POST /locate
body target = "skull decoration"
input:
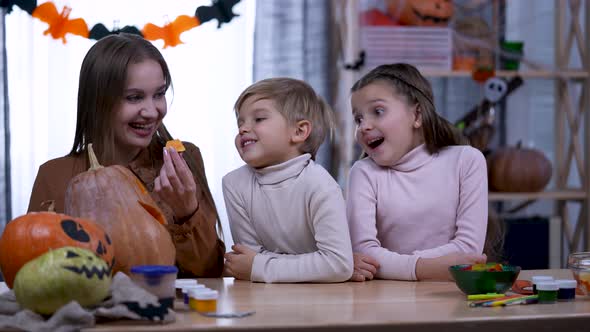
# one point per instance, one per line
(59, 276)
(35, 233)
(494, 89)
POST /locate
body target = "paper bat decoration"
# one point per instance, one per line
(358, 64)
(170, 33)
(26, 5)
(99, 31)
(60, 24)
(221, 10)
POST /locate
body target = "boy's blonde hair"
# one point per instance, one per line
(296, 101)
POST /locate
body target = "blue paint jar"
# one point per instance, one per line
(180, 284)
(567, 290)
(158, 280)
(186, 290)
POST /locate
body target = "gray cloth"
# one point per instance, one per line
(126, 301)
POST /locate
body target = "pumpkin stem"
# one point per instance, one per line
(94, 164)
(519, 144)
(51, 207)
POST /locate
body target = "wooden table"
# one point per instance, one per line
(378, 305)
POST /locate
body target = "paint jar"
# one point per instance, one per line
(547, 291)
(205, 301)
(567, 290)
(538, 279)
(192, 296)
(579, 264)
(187, 289)
(179, 284)
(158, 280)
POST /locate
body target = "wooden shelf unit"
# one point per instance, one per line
(540, 74)
(563, 195)
(571, 117)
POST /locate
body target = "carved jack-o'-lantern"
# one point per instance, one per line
(35, 233)
(60, 276)
(421, 12)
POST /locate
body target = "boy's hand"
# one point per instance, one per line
(238, 263)
(438, 268)
(365, 267)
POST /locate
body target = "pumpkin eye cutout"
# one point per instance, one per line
(101, 250)
(106, 237)
(71, 254)
(74, 230)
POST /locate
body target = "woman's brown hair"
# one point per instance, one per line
(101, 86)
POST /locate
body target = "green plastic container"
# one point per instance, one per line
(483, 282)
(515, 50)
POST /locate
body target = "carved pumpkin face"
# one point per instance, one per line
(421, 12)
(59, 276)
(35, 233)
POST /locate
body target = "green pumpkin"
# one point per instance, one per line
(59, 276)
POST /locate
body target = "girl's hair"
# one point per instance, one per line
(407, 82)
(296, 101)
(101, 87)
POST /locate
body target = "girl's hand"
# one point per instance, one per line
(438, 268)
(365, 267)
(238, 263)
(176, 185)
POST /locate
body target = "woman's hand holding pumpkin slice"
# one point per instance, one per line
(176, 185)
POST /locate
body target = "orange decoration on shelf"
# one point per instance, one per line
(176, 144)
(60, 24)
(481, 74)
(170, 33)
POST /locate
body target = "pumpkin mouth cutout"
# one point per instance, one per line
(89, 272)
(153, 212)
(435, 19)
(100, 273)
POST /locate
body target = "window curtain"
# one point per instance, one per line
(5, 207)
(292, 39)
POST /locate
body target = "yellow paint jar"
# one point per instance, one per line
(204, 300)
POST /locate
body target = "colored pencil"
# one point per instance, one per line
(497, 303)
(488, 296)
(481, 302)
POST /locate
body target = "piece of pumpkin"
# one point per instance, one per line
(115, 199)
(176, 144)
(33, 234)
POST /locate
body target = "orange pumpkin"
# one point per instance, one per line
(35, 233)
(518, 169)
(118, 201)
(421, 12)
